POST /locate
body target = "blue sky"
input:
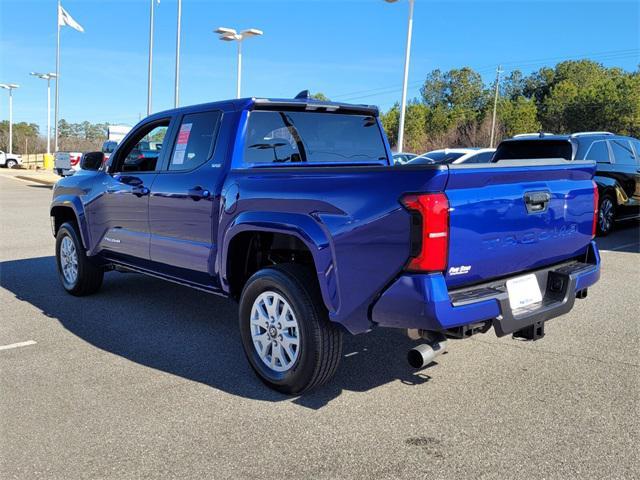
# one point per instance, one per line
(352, 50)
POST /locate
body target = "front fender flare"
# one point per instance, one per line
(306, 228)
(73, 203)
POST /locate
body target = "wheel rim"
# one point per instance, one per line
(69, 260)
(274, 331)
(605, 216)
(11, 164)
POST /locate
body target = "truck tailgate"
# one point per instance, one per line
(511, 217)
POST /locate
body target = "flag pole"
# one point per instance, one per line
(57, 77)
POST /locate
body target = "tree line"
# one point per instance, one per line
(455, 107)
(27, 138)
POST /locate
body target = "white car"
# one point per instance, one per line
(10, 160)
(455, 156)
(66, 163)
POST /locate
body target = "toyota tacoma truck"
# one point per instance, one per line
(294, 209)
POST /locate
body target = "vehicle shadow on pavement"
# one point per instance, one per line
(192, 334)
(625, 238)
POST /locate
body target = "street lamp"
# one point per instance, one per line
(231, 35)
(47, 77)
(10, 87)
(403, 104)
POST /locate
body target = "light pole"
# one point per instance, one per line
(10, 87)
(231, 35)
(176, 98)
(403, 104)
(47, 77)
(150, 72)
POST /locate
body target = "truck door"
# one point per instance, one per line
(119, 218)
(625, 171)
(183, 207)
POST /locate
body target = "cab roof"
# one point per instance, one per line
(255, 103)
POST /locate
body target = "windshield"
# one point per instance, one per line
(523, 149)
(290, 137)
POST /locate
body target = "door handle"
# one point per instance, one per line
(536, 201)
(198, 193)
(140, 191)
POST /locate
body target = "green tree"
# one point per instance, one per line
(390, 122)
(320, 96)
(518, 116)
(25, 136)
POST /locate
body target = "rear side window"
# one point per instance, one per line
(636, 145)
(599, 152)
(524, 149)
(484, 157)
(622, 152)
(312, 137)
(443, 157)
(195, 141)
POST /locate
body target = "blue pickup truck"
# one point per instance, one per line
(294, 209)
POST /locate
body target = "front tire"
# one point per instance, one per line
(286, 333)
(606, 215)
(11, 164)
(78, 275)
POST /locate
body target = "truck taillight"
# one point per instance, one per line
(596, 202)
(429, 231)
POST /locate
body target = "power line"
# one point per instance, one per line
(610, 55)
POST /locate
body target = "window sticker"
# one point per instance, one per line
(181, 144)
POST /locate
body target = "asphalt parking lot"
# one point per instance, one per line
(148, 380)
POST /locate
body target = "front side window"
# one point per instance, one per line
(599, 152)
(143, 152)
(622, 152)
(195, 141)
(312, 137)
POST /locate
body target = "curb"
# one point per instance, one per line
(41, 181)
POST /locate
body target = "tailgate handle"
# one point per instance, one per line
(537, 202)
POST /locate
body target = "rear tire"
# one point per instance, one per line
(606, 215)
(287, 336)
(78, 274)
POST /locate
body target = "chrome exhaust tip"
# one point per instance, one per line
(424, 354)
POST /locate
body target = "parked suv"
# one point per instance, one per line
(618, 166)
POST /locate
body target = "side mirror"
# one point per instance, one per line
(92, 160)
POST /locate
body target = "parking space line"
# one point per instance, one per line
(622, 247)
(17, 345)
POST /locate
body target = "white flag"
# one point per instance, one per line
(65, 19)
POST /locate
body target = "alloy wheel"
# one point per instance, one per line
(274, 331)
(69, 260)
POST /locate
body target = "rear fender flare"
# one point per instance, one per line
(611, 186)
(312, 233)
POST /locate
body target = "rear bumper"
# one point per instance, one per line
(424, 302)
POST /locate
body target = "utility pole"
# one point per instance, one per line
(495, 105)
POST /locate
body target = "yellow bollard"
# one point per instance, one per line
(48, 161)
